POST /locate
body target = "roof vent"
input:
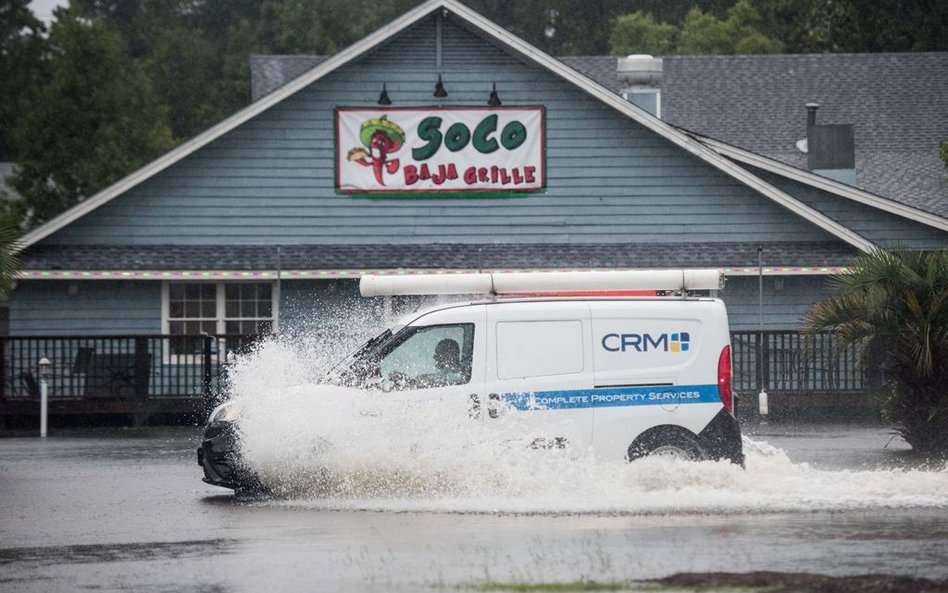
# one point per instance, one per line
(640, 69)
(641, 77)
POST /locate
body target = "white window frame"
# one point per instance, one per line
(220, 293)
(628, 92)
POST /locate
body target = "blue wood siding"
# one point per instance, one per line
(784, 308)
(876, 225)
(270, 181)
(45, 307)
(324, 308)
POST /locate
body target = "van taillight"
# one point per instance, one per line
(724, 379)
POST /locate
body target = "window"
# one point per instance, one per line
(248, 308)
(192, 309)
(648, 99)
(231, 308)
(432, 356)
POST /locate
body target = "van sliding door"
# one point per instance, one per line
(540, 365)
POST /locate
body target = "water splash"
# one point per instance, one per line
(329, 447)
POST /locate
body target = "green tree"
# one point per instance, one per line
(896, 300)
(324, 26)
(21, 66)
(196, 52)
(183, 46)
(703, 33)
(639, 33)
(943, 152)
(9, 261)
(95, 121)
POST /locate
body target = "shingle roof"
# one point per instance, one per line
(268, 73)
(436, 256)
(898, 104)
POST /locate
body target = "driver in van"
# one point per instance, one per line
(447, 357)
(448, 371)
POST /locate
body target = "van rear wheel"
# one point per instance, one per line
(667, 442)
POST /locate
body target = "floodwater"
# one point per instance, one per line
(433, 504)
(125, 510)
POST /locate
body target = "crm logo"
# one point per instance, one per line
(679, 342)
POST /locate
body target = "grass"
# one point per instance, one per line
(639, 586)
(581, 585)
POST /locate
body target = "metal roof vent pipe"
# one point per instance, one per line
(811, 115)
(641, 78)
(830, 148)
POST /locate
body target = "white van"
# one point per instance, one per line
(626, 376)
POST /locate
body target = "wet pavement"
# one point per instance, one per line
(125, 510)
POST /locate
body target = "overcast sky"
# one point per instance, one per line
(43, 9)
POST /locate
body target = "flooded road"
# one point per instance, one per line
(125, 510)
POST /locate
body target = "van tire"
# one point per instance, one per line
(667, 440)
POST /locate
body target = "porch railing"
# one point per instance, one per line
(117, 367)
(165, 366)
(786, 361)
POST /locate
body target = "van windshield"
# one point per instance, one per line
(348, 370)
(415, 357)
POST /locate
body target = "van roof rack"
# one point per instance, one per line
(566, 283)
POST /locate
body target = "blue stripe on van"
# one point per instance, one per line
(610, 397)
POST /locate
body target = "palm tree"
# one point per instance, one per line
(9, 262)
(897, 299)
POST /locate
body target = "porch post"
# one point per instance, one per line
(208, 394)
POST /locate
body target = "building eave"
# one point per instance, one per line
(824, 183)
(348, 274)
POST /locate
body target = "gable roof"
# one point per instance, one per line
(489, 30)
(270, 72)
(897, 102)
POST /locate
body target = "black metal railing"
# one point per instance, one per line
(165, 366)
(117, 367)
(788, 361)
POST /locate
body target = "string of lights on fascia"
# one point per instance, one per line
(358, 273)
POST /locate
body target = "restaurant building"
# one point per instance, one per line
(440, 143)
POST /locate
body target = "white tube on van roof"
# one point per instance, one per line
(371, 285)
(525, 282)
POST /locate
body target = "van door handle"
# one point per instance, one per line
(474, 406)
(493, 405)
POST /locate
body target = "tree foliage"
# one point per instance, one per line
(897, 300)
(700, 33)
(96, 120)
(21, 66)
(640, 33)
(9, 259)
